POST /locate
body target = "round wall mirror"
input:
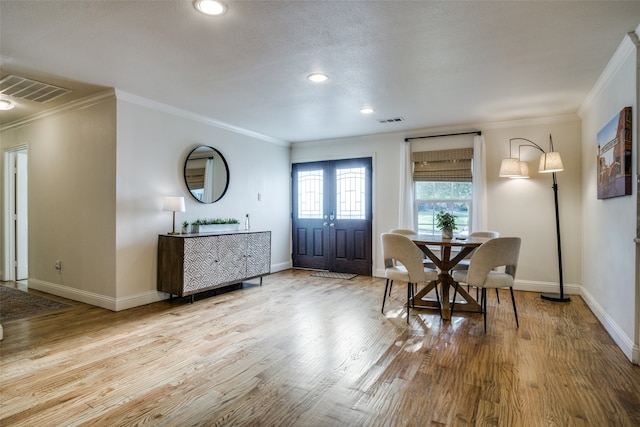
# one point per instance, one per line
(206, 174)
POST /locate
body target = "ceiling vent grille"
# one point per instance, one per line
(31, 90)
(393, 120)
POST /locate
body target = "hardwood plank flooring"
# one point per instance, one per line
(309, 351)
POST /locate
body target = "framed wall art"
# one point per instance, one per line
(614, 156)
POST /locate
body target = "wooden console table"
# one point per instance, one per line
(192, 263)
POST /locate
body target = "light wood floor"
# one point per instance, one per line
(306, 351)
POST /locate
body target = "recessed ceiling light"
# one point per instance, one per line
(5, 104)
(210, 7)
(367, 110)
(318, 77)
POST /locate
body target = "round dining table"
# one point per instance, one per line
(447, 260)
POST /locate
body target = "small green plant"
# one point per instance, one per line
(185, 223)
(446, 221)
(209, 221)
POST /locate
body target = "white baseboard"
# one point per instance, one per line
(111, 303)
(623, 341)
(545, 287)
(530, 286)
(99, 300)
(282, 266)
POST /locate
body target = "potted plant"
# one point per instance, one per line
(185, 227)
(446, 222)
(218, 224)
(195, 226)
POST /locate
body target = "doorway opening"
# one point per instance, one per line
(16, 231)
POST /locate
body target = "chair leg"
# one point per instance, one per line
(390, 286)
(438, 299)
(409, 291)
(413, 294)
(484, 301)
(384, 296)
(455, 293)
(513, 299)
(497, 295)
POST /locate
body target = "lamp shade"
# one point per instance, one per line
(550, 162)
(174, 204)
(510, 168)
(524, 171)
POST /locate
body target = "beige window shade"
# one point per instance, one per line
(443, 165)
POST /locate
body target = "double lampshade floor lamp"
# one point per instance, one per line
(550, 162)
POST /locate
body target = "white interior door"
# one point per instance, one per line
(21, 215)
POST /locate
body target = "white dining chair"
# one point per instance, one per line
(498, 252)
(403, 261)
(464, 263)
(408, 232)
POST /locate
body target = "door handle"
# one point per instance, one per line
(325, 223)
(332, 225)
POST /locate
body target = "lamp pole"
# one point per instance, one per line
(561, 296)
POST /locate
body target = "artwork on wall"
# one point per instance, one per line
(614, 156)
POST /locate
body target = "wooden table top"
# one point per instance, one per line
(437, 240)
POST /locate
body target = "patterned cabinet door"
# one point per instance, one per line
(258, 254)
(200, 260)
(232, 263)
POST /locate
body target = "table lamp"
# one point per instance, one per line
(174, 204)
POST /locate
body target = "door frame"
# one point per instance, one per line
(346, 155)
(9, 201)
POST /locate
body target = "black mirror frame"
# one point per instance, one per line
(226, 166)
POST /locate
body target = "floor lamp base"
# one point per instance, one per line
(555, 297)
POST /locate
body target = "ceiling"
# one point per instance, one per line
(431, 63)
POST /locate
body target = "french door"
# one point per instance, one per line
(332, 215)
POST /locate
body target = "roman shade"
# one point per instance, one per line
(443, 165)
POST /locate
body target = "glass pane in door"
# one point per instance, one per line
(310, 194)
(350, 193)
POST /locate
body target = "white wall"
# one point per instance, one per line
(152, 147)
(98, 175)
(609, 225)
(72, 193)
(524, 208)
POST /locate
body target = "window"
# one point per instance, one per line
(433, 197)
(442, 182)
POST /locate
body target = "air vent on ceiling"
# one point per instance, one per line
(31, 90)
(394, 120)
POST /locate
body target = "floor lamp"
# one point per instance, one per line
(550, 162)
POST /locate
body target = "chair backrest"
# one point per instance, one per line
(498, 252)
(490, 234)
(404, 231)
(398, 247)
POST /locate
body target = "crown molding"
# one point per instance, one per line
(625, 49)
(169, 109)
(73, 105)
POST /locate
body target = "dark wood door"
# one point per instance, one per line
(332, 215)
